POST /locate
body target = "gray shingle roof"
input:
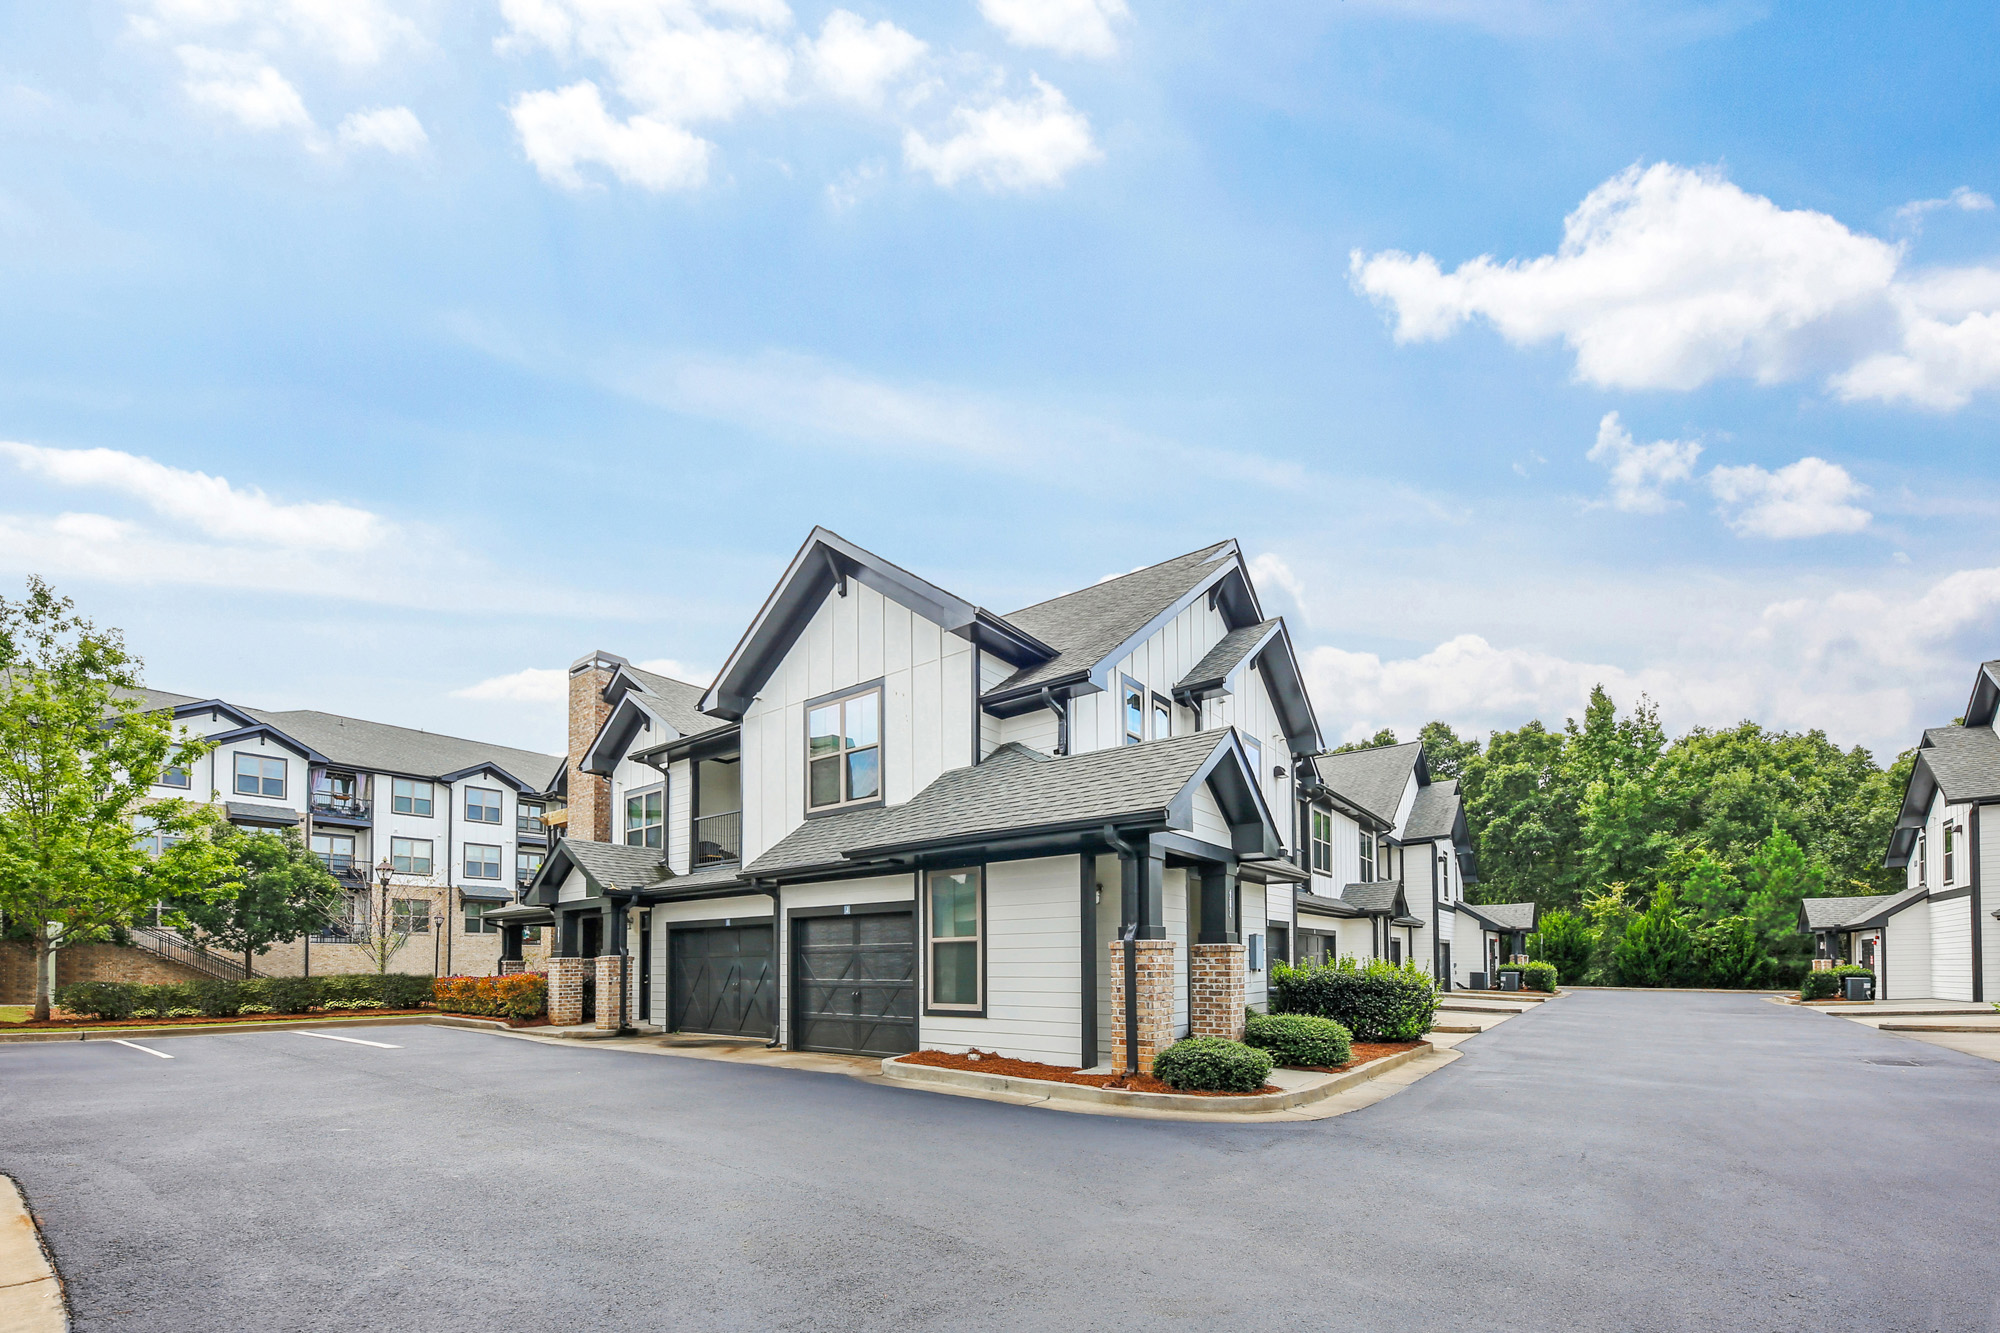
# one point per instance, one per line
(1378, 896)
(612, 865)
(1372, 779)
(1505, 916)
(678, 703)
(1434, 814)
(1228, 653)
(819, 842)
(1965, 761)
(1834, 913)
(249, 812)
(1335, 907)
(1016, 787)
(1085, 626)
(710, 878)
(379, 747)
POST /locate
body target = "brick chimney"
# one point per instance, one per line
(589, 793)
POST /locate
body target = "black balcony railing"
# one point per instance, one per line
(351, 931)
(343, 867)
(718, 839)
(342, 807)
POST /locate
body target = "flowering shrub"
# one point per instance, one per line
(352, 1004)
(521, 995)
(255, 1009)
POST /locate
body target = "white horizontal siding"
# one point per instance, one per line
(1951, 949)
(1033, 967)
(1907, 954)
(1209, 825)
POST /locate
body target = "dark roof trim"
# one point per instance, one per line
(628, 718)
(266, 730)
(1193, 689)
(520, 787)
(230, 711)
(1252, 829)
(1985, 700)
(824, 563)
(722, 738)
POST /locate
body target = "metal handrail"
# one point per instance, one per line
(351, 807)
(718, 838)
(174, 949)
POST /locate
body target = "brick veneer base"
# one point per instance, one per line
(607, 991)
(85, 962)
(566, 990)
(1216, 975)
(1156, 1001)
(509, 966)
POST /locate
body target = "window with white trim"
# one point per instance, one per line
(482, 861)
(407, 796)
(482, 805)
(1367, 857)
(1322, 841)
(645, 817)
(410, 856)
(1923, 857)
(173, 776)
(1950, 853)
(260, 775)
(526, 864)
(844, 751)
(956, 938)
(1163, 718)
(1135, 711)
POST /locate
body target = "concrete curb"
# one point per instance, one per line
(32, 1299)
(211, 1029)
(955, 1080)
(1938, 1027)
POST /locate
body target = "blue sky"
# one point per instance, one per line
(383, 357)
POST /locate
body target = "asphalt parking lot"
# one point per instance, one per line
(1610, 1161)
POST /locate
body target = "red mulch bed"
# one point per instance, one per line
(1360, 1053)
(985, 1062)
(320, 1016)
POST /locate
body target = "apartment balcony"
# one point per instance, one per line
(718, 839)
(531, 833)
(347, 869)
(355, 811)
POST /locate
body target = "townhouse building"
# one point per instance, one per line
(1071, 833)
(1937, 937)
(435, 830)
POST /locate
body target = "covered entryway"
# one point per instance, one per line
(719, 980)
(855, 983)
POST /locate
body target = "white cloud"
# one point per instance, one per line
(210, 504)
(1670, 278)
(1640, 473)
(1008, 143)
(846, 190)
(564, 130)
(856, 60)
(534, 685)
(243, 86)
(1269, 568)
(393, 129)
(1809, 498)
(1067, 27)
(667, 666)
(1965, 199)
(357, 33)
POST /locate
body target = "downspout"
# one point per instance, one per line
(1050, 702)
(1978, 926)
(1128, 932)
(777, 966)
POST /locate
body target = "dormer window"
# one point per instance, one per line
(844, 751)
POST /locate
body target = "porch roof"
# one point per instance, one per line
(1816, 914)
(1508, 918)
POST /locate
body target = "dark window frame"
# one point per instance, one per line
(258, 779)
(404, 909)
(1127, 688)
(1160, 717)
(167, 777)
(1322, 841)
(465, 860)
(429, 801)
(930, 941)
(652, 832)
(498, 807)
(843, 697)
(429, 858)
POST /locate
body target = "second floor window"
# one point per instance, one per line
(844, 751)
(645, 817)
(410, 797)
(1367, 858)
(1163, 718)
(1135, 711)
(482, 805)
(410, 856)
(528, 818)
(1950, 853)
(258, 775)
(1322, 839)
(150, 838)
(525, 865)
(173, 777)
(482, 861)
(335, 851)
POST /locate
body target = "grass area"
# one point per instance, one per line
(15, 1013)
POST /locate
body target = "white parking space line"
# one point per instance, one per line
(328, 1036)
(137, 1047)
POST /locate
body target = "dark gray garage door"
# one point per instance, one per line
(855, 983)
(719, 980)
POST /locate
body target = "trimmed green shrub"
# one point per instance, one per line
(1537, 975)
(216, 998)
(347, 986)
(289, 995)
(110, 1000)
(1828, 984)
(1299, 1039)
(1376, 1001)
(1212, 1064)
(403, 990)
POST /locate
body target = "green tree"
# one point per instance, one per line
(1444, 753)
(77, 755)
(282, 892)
(1523, 804)
(1778, 876)
(1657, 948)
(1728, 953)
(1710, 890)
(1375, 742)
(1611, 914)
(1563, 939)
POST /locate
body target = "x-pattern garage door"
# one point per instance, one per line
(719, 980)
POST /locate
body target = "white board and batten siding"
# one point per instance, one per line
(1097, 721)
(1951, 949)
(1906, 954)
(1033, 967)
(927, 706)
(1989, 899)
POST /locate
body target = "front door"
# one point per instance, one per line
(855, 983)
(719, 980)
(1444, 967)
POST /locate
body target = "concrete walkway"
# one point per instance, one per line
(31, 1295)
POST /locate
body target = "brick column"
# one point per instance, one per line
(1217, 974)
(1156, 1001)
(566, 990)
(509, 966)
(607, 991)
(589, 793)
